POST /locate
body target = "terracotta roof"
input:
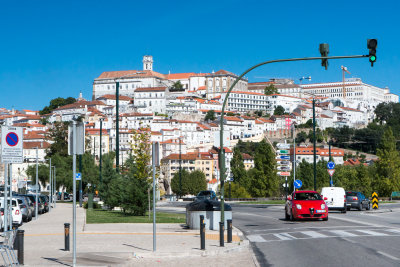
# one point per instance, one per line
(32, 145)
(113, 97)
(177, 76)
(247, 93)
(320, 151)
(129, 74)
(96, 132)
(188, 156)
(151, 89)
(231, 118)
(246, 156)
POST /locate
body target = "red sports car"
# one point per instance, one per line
(305, 205)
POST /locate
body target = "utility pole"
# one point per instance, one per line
(6, 210)
(80, 181)
(50, 182)
(294, 154)
(180, 166)
(55, 187)
(101, 151)
(117, 126)
(37, 185)
(315, 147)
(74, 193)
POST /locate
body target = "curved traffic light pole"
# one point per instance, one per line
(221, 154)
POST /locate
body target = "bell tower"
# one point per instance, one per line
(147, 62)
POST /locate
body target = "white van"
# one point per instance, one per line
(335, 198)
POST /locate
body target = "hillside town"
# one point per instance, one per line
(182, 112)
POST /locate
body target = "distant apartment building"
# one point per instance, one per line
(351, 89)
(307, 153)
(220, 81)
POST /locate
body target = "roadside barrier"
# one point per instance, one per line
(221, 233)
(202, 233)
(66, 236)
(229, 231)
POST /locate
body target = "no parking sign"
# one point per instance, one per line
(11, 144)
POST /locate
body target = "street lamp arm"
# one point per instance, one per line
(221, 157)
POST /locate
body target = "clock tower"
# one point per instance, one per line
(148, 63)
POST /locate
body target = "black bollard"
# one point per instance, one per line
(66, 236)
(19, 245)
(202, 233)
(229, 231)
(221, 233)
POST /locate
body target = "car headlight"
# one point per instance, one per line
(298, 206)
(323, 206)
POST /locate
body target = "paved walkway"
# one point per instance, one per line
(126, 244)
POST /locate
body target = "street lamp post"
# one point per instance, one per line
(314, 144)
(117, 126)
(101, 151)
(221, 155)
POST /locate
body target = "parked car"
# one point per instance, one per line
(306, 205)
(357, 200)
(207, 194)
(40, 204)
(16, 212)
(335, 198)
(25, 209)
(45, 202)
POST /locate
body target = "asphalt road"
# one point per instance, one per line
(353, 239)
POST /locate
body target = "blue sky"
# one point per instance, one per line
(56, 48)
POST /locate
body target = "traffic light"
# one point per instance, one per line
(372, 44)
(324, 50)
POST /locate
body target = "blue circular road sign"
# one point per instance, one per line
(297, 184)
(12, 139)
(331, 165)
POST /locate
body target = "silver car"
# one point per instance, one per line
(25, 208)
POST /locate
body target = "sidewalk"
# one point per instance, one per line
(126, 244)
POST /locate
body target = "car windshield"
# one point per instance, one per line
(352, 194)
(307, 196)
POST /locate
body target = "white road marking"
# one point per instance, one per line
(355, 221)
(349, 240)
(396, 231)
(256, 238)
(342, 233)
(285, 236)
(388, 255)
(314, 234)
(369, 232)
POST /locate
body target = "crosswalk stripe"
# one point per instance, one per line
(285, 236)
(342, 233)
(396, 231)
(256, 238)
(314, 234)
(369, 232)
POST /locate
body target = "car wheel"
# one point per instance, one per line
(344, 210)
(360, 208)
(348, 209)
(369, 206)
(291, 216)
(287, 217)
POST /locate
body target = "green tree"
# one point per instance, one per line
(177, 86)
(238, 170)
(55, 103)
(210, 115)
(388, 165)
(197, 182)
(59, 135)
(109, 189)
(279, 110)
(141, 149)
(264, 180)
(184, 182)
(270, 90)
(238, 191)
(43, 173)
(301, 137)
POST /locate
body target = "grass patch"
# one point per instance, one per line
(107, 216)
(264, 202)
